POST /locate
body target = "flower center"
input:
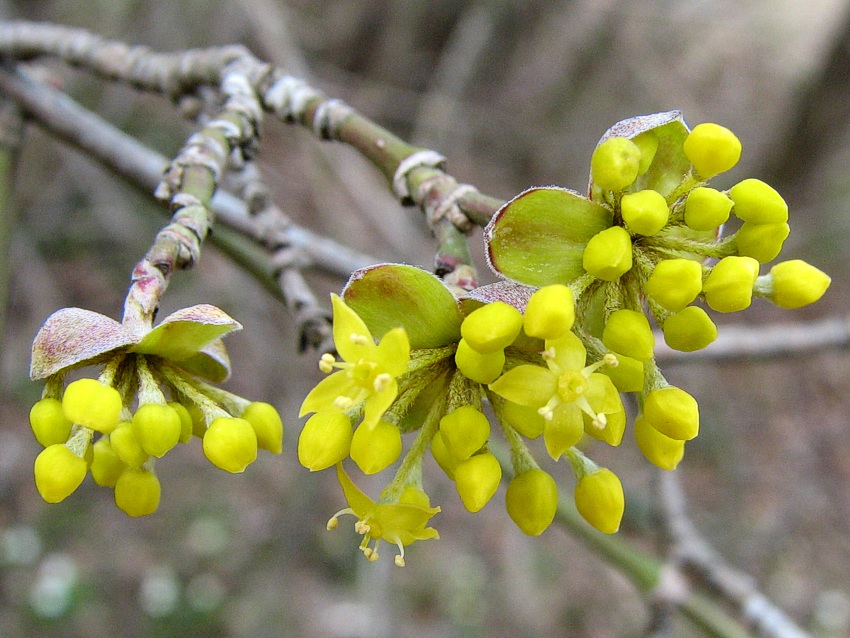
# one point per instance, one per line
(571, 385)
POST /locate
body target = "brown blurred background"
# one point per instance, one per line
(515, 93)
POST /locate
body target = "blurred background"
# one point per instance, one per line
(515, 93)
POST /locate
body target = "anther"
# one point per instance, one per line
(381, 381)
(327, 362)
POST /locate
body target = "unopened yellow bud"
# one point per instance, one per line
(92, 404)
(706, 208)
(628, 332)
(106, 465)
(532, 500)
(58, 472)
(267, 424)
(445, 459)
(627, 375)
(608, 254)
(758, 203)
(48, 422)
(137, 492)
(689, 330)
(644, 212)
(230, 444)
(478, 366)
(465, 431)
(375, 446)
(477, 479)
(186, 425)
(712, 149)
(324, 441)
(762, 242)
(600, 500)
(675, 283)
(615, 164)
(659, 449)
(797, 284)
(729, 285)
(524, 419)
(550, 312)
(491, 327)
(673, 412)
(123, 440)
(157, 428)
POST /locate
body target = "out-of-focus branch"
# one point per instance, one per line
(10, 137)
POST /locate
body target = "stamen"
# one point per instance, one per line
(549, 353)
(546, 412)
(373, 556)
(358, 340)
(343, 402)
(381, 381)
(326, 363)
(600, 421)
(399, 560)
(362, 527)
(611, 360)
(333, 523)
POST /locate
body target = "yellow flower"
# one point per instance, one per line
(367, 374)
(400, 523)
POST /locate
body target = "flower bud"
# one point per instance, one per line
(729, 285)
(325, 440)
(157, 428)
(525, 419)
(267, 424)
(600, 500)
(48, 422)
(532, 500)
(137, 492)
(491, 327)
(230, 444)
(550, 312)
(445, 459)
(706, 208)
(689, 330)
(123, 440)
(673, 412)
(186, 423)
(762, 242)
(608, 254)
(615, 164)
(477, 366)
(627, 375)
(375, 447)
(675, 283)
(629, 332)
(797, 284)
(465, 431)
(712, 149)
(477, 479)
(645, 212)
(106, 465)
(758, 203)
(92, 404)
(58, 472)
(658, 449)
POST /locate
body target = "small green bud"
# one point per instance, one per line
(92, 404)
(675, 283)
(525, 419)
(712, 149)
(628, 332)
(673, 412)
(689, 330)
(375, 447)
(797, 284)
(550, 312)
(137, 492)
(706, 208)
(644, 212)
(491, 327)
(658, 449)
(615, 164)
(230, 444)
(106, 465)
(608, 254)
(729, 285)
(58, 472)
(477, 366)
(157, 428)
(465, 431)
(600, 500)
(762, 242)
(48, 422)
(267, 424)
(758, 203)
(325, 440)
(477, 479)
(532, 500)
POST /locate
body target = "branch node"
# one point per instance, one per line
(329, 116)
(425, 158)
(288, 97)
